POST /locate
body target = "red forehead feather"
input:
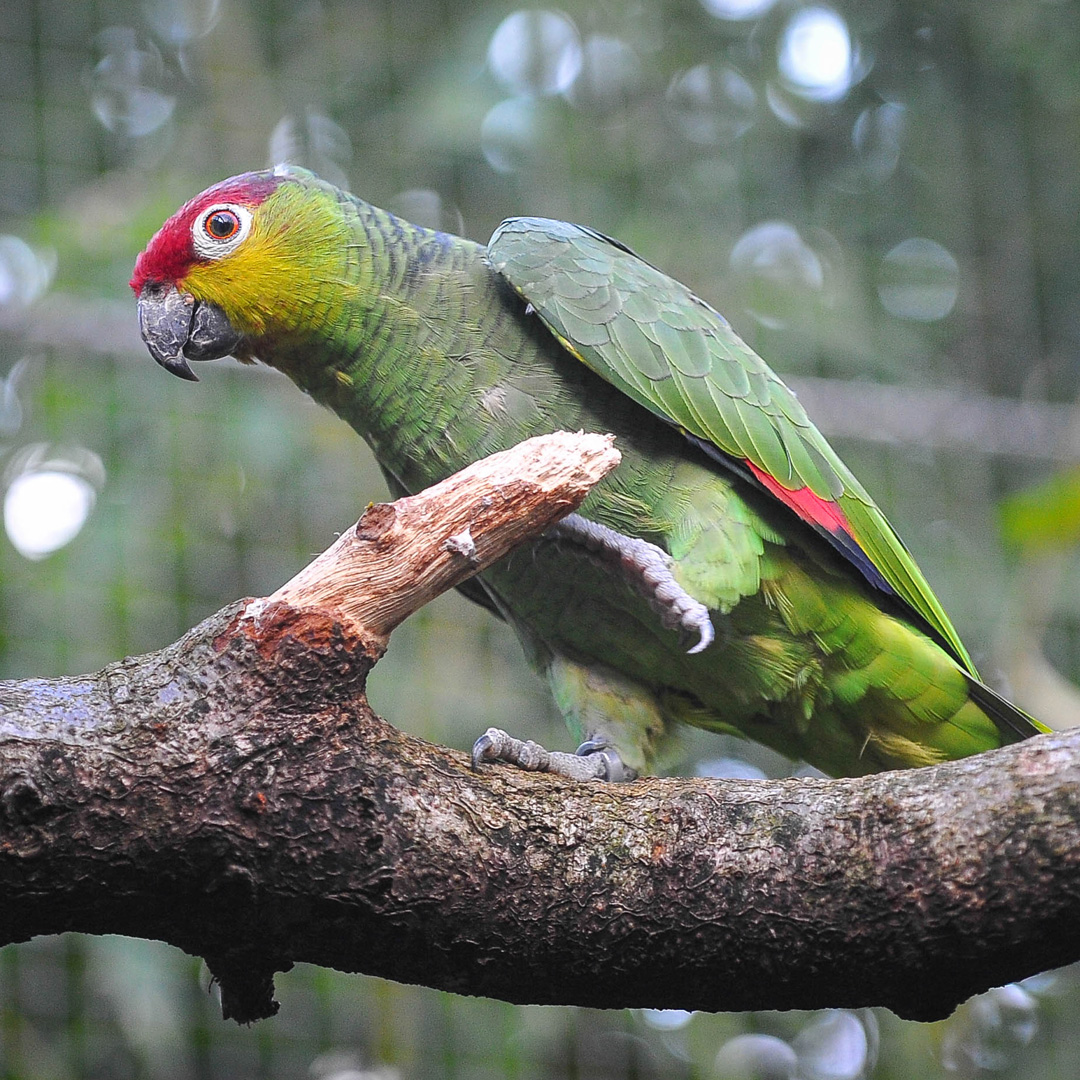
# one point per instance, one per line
(170, 253)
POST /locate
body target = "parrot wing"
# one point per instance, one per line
(668, 350)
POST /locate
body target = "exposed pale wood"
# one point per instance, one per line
(401, 555)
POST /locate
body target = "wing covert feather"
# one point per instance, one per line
(668, 350)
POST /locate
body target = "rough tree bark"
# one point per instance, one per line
(234, 795)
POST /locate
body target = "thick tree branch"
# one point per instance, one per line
(233, 794)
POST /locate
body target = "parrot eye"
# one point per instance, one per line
(222, 224)
(219, 229)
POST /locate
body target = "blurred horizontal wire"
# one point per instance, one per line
(941, 419)
(931, 418)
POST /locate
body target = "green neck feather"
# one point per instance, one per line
(359, 301)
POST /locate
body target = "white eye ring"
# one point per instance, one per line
(211, 244)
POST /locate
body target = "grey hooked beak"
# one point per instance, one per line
(177, 328)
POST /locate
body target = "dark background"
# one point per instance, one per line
(883, 198)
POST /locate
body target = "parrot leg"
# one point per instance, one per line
(647, 568)
(619, 721)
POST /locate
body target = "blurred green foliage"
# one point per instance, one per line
(870, 191)
(1045, 517)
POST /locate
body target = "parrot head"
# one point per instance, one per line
(217, 276)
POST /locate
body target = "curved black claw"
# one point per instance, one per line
(496, 745)
(647, 568)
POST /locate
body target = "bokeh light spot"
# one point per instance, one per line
(507, 134)
(919, 280)
(313, 140)
(987, 1033)
(535, 52)
(737, 9)
(711, 103)
(180, 22)
(876, 137)
(127, 87)
(423, 206)
(816, 55)
(50, 493)
(756, 1057)
(25, 274)
(667, 1019)
(777, 271)
(833, 1047)
(43, 511)
(610, 76)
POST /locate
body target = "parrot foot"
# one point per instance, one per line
(594, 760)
(648, 569)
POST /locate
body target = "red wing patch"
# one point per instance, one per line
(829, 520)
(810, 507)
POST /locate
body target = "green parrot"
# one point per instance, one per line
(731, 574)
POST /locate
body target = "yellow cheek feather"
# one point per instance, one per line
(277, 275)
